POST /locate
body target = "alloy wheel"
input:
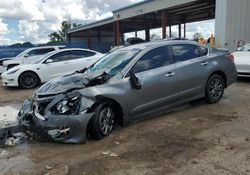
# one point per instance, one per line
(216, 88)
(107, 120)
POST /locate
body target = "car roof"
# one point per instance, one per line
(143, 46)
(69, 49)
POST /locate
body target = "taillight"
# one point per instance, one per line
(230, 57)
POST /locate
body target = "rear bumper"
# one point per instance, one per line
(243, 70)
(231, 75)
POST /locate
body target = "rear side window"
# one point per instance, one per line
(62, 56)
(155, 58)
(183, 52)
(40, 51)
(81, 54)
(204, 50)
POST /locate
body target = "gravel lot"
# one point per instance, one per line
(194, 138)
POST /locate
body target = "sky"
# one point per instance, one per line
(33, 20)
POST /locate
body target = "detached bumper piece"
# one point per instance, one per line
(8, 132)
(57, 128)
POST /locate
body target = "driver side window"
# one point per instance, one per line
(153, 59)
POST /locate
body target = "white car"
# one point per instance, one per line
(242, 60)
(26, 57)
(51, 65)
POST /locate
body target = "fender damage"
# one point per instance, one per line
(61, 117)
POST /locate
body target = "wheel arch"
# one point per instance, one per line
(119, 115)
(31, 71)
(222, 74)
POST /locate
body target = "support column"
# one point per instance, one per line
(164, 23)
(122, 38)
(170, 31)
(179, 30)
(170, 28)
(136, 34)
(184, 29)
(89, 38)
(117, 33)
(147, 34)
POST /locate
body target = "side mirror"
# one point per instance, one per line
(134, 81)
(239, 48)
(26, 55)
(49, 61)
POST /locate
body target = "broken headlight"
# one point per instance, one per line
(68, 106)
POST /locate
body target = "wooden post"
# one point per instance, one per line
(147, 34)
(170, 29)
(179, 30)
(117, 33)
(163, 23)
(184, 29)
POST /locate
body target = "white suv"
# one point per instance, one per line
(27, 56)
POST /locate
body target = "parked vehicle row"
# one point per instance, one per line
(126, 84)
(26, 57)
(51, 65)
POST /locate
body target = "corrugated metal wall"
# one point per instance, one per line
(232, 23)
(148, 7)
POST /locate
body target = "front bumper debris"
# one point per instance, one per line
(58, 128)
(6, 133)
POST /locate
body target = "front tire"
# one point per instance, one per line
(102, 123)
(28, 80)
(214, 89)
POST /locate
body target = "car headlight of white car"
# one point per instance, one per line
(13, 71)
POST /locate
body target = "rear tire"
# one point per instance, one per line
(214, 89)
(102, 122)
(28, 80)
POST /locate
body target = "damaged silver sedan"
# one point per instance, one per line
(126, 84)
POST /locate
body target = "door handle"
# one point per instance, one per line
(204, 63)
(170, 74)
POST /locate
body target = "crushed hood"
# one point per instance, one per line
(71, 82)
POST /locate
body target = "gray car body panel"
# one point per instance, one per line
(158, 91)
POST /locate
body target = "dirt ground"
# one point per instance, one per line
(11, 95)
(193, 139)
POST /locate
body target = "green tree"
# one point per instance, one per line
(60, 36)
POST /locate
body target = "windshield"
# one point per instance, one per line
(114, 62)
(22, 53)
(246, 47)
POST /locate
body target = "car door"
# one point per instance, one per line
(82, 59)
(156, 73)
(191, 69)
(57, 65)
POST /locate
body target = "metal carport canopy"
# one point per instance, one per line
(150, 14)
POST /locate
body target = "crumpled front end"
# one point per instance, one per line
(60, 118)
